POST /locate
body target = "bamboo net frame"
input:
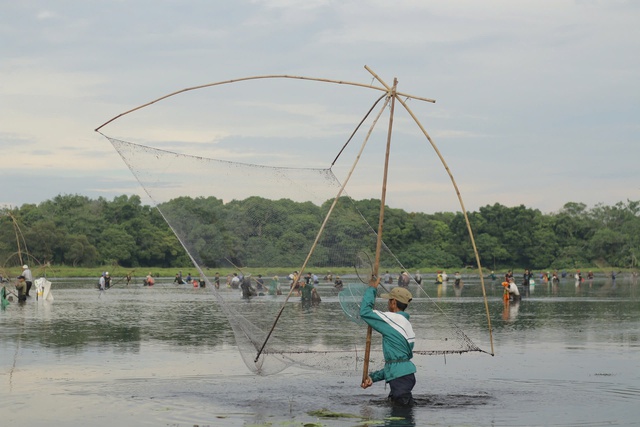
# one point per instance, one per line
(457, 190)
(392, 94)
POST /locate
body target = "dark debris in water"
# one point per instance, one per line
(364, 421)
(325, 413)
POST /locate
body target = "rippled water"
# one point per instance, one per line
(564, 356)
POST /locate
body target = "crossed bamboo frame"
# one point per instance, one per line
(392, 95)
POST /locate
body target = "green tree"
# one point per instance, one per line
(116, 245)
(79, 251)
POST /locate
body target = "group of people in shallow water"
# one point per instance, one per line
(402, 280)
(512, 291)
(188, 280)
(105, 281)
(305, 287)
(251, 286)
(550, 277)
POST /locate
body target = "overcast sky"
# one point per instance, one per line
(538, 102)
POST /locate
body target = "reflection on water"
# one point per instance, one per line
(166, 356)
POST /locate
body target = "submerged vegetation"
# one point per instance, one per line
(73, 230)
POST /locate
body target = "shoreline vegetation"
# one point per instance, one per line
(120, 272)
(75, 236)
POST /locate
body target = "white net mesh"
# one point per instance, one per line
(248, 217)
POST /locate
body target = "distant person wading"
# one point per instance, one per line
(28, 278)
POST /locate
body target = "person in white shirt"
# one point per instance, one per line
(514, 293)
(28, 277)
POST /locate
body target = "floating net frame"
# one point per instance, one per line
(270, 356)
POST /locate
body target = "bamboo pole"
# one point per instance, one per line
(321, 230)
(19, 236)
(273, 76)
(16, 229)
(464, 213)
(376, 264)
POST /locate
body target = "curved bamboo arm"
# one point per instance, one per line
(272, 76)
(464, 212)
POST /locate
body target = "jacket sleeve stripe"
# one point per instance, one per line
(398, 323)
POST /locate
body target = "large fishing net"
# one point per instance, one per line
(241, 213)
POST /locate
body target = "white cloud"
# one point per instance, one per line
(546, 90)
(45, 14)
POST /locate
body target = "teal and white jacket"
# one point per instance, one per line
(397, 338)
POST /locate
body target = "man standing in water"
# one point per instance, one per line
(512, 289)
(397, 343)
(28, 278)
(247, 289)
(21, 287)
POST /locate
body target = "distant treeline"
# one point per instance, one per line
(78, 231)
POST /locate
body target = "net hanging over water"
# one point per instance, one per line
(238, 215)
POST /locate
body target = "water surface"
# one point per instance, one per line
(565, 355)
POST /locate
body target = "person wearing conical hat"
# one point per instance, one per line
(398, 340)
